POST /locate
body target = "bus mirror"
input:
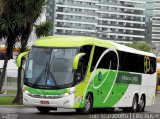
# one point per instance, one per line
(76, 60)
(19, 58)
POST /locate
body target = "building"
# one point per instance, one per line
(156, 21)
(123, 19)
(156, 26)
(73, 17)
(118, 20)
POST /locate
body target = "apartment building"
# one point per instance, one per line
(118, 20)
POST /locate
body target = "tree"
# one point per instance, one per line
(10, 23)
(43, 29)
(17, 18)
(33, 10)
(141, 45)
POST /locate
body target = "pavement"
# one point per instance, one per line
(22, 112)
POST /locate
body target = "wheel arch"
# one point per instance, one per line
(91, 93)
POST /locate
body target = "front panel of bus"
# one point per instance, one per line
(49, 78)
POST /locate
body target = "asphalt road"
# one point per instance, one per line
(21, 112)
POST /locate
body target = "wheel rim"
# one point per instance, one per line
(135, 104)
(142, 104)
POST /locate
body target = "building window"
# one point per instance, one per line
(131, 38)
(131, 31)
(131, 25)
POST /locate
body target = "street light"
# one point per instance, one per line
(103, 32)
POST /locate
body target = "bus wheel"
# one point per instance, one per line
(141, 105)
(88, 105)
(134, 107)
(43, 110)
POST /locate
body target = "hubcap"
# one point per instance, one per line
(135, 105)
(141, 103)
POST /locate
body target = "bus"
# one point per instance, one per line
(158, 73)
(86, 73)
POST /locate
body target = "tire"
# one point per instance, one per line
(88, 105)
(141, 105)
(43, 110)
(134, 107)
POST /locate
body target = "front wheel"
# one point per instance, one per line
(88, 105)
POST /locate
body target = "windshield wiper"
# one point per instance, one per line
(39, 78)
(46, 71)
(50, 73)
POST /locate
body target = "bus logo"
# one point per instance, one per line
(99, 76)
(146, 64)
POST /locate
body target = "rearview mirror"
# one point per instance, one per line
(76, 60)
(19, 58)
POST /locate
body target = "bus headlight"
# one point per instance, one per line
(78, 99)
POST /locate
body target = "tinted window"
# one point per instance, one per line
(83, 63)
(109, 60)
(136, 63)
(127, 61)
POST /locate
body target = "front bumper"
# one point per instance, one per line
(63, 102)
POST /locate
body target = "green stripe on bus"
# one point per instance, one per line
(47, 92)
(116, 94)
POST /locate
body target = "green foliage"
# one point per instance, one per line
(141, 45)
(43, 29)
(17, 18)
(6, 100)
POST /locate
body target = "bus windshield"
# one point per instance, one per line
(50, 68)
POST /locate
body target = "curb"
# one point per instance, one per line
(7, 95)
(2, 106)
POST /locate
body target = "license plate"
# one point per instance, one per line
(44, 102)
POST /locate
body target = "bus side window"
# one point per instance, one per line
(83, 63)
(108, 61)
(97, 53)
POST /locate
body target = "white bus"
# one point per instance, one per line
(86, 73)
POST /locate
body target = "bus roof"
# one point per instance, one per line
(64, 41)
(77, 41)
(132, 50)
